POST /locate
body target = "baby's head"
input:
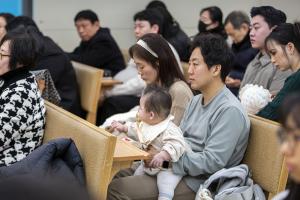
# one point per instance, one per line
(155, 105)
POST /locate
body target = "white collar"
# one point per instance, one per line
(151, 132)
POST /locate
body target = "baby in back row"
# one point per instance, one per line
(155, 127)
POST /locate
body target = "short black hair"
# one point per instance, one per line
(156, 4)
(87, 15)
(157, 100)
(21, 21)
(153, 16)
(215, 51)
(270, 14)
(237, 18)
(22, 49)
(215, 14)
(7, 16)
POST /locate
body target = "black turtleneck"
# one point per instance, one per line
(13, 76)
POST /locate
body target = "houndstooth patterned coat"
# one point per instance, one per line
(22, 116)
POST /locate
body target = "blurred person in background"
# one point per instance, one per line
(211, 21)
(5, 18)
(237, 27)
(97, 48)
(171, 31)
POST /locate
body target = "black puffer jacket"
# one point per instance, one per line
(58, 158)
(181, 42)
(243, 54)
(53, 58)
(100, 51)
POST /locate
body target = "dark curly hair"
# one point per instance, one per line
(215, 51)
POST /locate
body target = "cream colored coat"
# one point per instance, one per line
(162, 136)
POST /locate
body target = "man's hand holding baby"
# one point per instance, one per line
(159, 158)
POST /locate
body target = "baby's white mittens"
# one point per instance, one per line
(254, 98)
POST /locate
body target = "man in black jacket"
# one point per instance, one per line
(97, 48)
(237, 28)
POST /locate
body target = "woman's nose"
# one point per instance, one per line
(285, 149)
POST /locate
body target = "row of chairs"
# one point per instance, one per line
(262, 156)
(89, 81)
(96, 147)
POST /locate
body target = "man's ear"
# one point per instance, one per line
(155, 28)
(273, 27)
(97, 23)
(216, 70)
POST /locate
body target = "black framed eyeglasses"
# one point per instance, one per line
(288, 136)
(3, 55)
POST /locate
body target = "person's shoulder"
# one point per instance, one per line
(230, 101)
(103, 34)
(21, 86)
(182, 88)
(180, 85)
(195, 101)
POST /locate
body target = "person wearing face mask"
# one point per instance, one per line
(210, 21)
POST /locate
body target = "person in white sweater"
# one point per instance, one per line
(123, 97)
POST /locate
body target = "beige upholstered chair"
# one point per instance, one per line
(126, 55)
(95, 146)
(89, 82)
(263, 157)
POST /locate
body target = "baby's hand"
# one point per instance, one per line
(119, 126)
(159, 158)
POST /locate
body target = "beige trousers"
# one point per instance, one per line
(125, 186)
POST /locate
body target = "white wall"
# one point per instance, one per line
(55, 17)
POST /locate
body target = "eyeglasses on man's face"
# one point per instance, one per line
(2, 55)
(288, 136)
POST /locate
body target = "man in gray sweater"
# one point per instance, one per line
(214, 125)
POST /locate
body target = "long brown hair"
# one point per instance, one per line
(165, 63)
